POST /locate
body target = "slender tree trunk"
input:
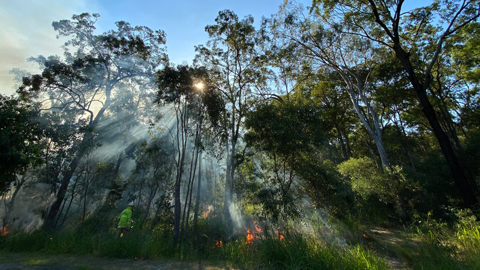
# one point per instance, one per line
(228, 181)
(407, 146)
(188, 197)
(458, 173)
(149, 203)
(50, 222)
(159, 208)
(59, 215)
(191, 192)
(382, 153)
(347, 143)
(117, 166)
(64, 203)
(214, 201)
(197, 201)
(85, 200)
(68, 208)
(444, 114)
(181, 148)
(346, 154)
(188, 192)
(9, 205)
(188, 211)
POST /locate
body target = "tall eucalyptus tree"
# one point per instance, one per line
(328, 48)
(417, 37)
(231, 55)
(191, 93)
(86, 79)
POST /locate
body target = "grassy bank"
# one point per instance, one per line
(293, 252)
(427, 245)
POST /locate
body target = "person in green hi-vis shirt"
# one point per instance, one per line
(125, 220)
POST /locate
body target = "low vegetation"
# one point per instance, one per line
(425, 245)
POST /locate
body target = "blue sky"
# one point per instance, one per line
(26, 24)
(183, 21)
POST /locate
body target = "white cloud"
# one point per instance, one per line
(27, 31)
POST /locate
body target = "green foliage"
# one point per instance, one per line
(337, 113)
(238, 32)
(174, 83)
(471, 155)
(436, 246)
(465, 47)
(436, 185)
(298, 252)
(378, 194)
(276, 206)
(285, 131)
(367, 180)
(286, 128)
(325, 186)
(19, 139)
(365, 177)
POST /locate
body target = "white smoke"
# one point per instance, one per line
(33, 34)
(29, 208)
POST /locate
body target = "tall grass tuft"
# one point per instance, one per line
(443, 247)
(298, 251)
(467, 238)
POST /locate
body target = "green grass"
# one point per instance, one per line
(434, 245)
(302, 252)
(294, 252)
(429, 245)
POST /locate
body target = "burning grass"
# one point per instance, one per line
(256, 232)
(4, 231)
(206, 213)
(268, 248)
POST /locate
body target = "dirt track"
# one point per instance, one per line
(40, 261)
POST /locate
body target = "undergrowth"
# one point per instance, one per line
(427, 245)
(296, 251)
(445, 247)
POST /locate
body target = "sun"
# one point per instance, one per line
(199, 85)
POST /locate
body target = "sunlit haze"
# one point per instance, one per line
(26, 25)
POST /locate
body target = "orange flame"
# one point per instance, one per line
(250, 236)
(219, 243)
(257, 228)
(280, 236)
(206, 213)
(5, 231)
(121, 235)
